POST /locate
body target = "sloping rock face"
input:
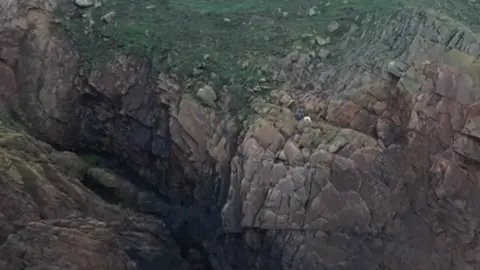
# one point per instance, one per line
(121, 110)
(383, 178)
(50, 220)
(168, 143)
(393, 189)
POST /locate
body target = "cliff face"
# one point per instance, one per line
(50, 220)
(383, 177)
(393, 188)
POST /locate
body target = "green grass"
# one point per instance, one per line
(210, 41)
(181, 33)
(224, 43)
(217, 6)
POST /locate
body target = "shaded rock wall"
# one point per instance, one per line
(50, 220)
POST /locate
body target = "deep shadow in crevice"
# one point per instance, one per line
(187, 239)
(106, 193)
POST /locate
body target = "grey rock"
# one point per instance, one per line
(397, 68)
(84, 3)
(322, 41)
(333, 26)
(409, 84)
(323, 53)
(108, 17)
(207, 95)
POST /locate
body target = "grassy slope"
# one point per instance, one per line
(211, 40)
(188, 30)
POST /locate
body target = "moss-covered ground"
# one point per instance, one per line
(220, 36)
(232, 43)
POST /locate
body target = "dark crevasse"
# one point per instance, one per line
(196, 229)
(190, 207)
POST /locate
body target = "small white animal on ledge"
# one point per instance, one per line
(307, 119)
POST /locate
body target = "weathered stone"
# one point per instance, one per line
(396, 68)
(323, 53)
(84, 3)
(333, 26)
(267, 135)
(322, 41)
(207, 95)
(409, 85)
(108, 17)
(293, 154)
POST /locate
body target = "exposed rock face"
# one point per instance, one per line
(393, 188)
(119, 110)
(50, 220)
(383, 178)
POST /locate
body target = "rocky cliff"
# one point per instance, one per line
(120, 167)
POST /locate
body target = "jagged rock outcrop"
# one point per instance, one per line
(382, 178)
(50, 220)
(393, 189)
(122, 110)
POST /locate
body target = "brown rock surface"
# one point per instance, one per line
(50, 220)
(383, 178)
(394, 188)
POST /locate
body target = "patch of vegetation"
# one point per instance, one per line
(229, 44)
(181, 35)
(465, 11)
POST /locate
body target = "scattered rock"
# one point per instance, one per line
(207, 95)
(293, 154)
(312, 12)
(323, 53)
(282, 156)
(286, 100)
(322, 41)
(396, 68)
(409, 84)
(84, 3)
(333, 26)
(107, 18)
(196, 71)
